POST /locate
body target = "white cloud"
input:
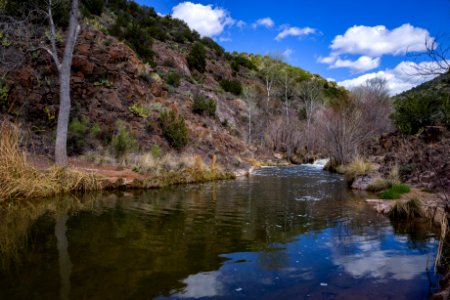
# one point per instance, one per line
(362, 64)
(378, 40)
(287, 53)
(241, 24)
(206, 19)
(225, 39)
(294, 31)
(403, 77)
(264, 22)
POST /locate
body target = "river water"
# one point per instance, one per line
(283, 233)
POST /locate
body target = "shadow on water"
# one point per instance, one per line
(294, 232)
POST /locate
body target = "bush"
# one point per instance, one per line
(173, 79)
(203, 105)
(139, 110)
(4, 92)
(415, 111)
(197, 57)
(231, 86)
(123, 141)
(211, 44)
(94, 7)
(82, 136)
(174, 129)
(144, 76)
(407, 169)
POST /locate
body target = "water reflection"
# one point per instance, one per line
(249, 238)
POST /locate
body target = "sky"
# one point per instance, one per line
(345, 41)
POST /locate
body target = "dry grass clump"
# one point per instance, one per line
(19, 180)
(358, 166)
(405, 210)
(378, 185)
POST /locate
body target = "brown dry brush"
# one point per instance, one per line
(20, 180)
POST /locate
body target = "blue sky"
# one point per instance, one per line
(348, 41)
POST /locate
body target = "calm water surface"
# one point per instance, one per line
(284, 233)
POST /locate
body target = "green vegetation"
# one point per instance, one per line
(139, 110)
(204, 105)
(144, 76)
(173, 79)
(407, 169)
(405, 210)
(197, 57)
(427, 104)
(4, 92)
(240, 60)
(82, 136)
(103, 82)
(94, 7)
(174, 129)
(231, 86)
(123, 141)
(155, 151)
(395, 191)
(211, 44)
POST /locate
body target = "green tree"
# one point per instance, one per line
(197, 57)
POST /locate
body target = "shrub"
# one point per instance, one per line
(407, 169)
(232, 86)
(156, 151)
(144, 76)
(211, 44)
(405, 210)
(197, 57)
(203, 105)
(77, 141)
(174, 129)
(4, 92)
(123, 141)
(415, 111)
(173, 79)
(94, 7)
(139, 110)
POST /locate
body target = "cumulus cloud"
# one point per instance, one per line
(207, 20)
(403, 77)
(371, 43)
(294, 31)
(264, 22)
(362, 64)
(378, 40)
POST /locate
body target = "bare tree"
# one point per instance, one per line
(269, 68)
(250, 96)
(310, 93)
(437, 50)
(287, 84)
(29, 32)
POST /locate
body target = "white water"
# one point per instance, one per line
(320, 163)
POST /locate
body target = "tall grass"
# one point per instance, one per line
(405, 210)
(357, 167)
(20, 180)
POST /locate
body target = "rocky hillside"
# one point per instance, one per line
(130, 67)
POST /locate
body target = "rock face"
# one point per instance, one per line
(108, 78)
(422, 159)
(362, 182)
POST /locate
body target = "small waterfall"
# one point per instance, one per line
(320, 163)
